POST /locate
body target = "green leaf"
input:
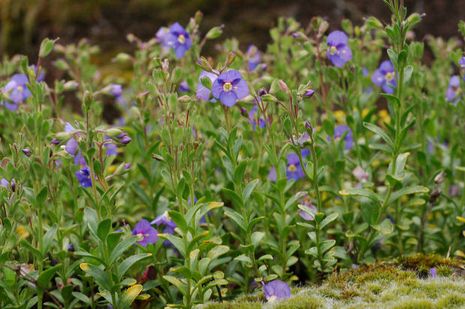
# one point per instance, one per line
(361, 192)
(217, 252)
(257, 238)
(236, 217)
(380, 132)
(406, 191)
(249, 189)
(103, 229)
(124, 266)
(121, 248)
(398, 174)
(46, 47)
(385, 228)
(177, 242)
(177, 283)
(328, 220)
(101, 277)
(45, 277)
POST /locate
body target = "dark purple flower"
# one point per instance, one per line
(276, 290)
(83, 177)
(176, 38)
(453, 90)
(27, 152)
(124, 138)
(147, 233)
(385, 77)
(339, 131)
(254, 120)
(253, 56)
(16, 91)
(184, 87)
(339, 51)
(203, 93)
(230, 87)
(165, 221)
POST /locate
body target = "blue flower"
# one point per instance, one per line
(83, 177)
(110, 148)
(184, 87)
(462, 62)
(176, 38)
(203, 93)
(165, 221)
(276, 290)
(254, 57)
(254, 120)
(385, 77)
(146, 233)
(230, 87)
(294, 169)
(16, 91)
(453, 90)
(339, 131)
(339, 51)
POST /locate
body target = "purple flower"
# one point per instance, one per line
(462, 62)
(230, 87)
(309, 93)
(276, 290)
(124, 138)
(272, 176)
(83, 177)
(294, 169)
(16, 91)
(253, 56)
(312, 209)
(27, 152)
(339, 51)
(385, 77)
(165, 221)
(360, 174)
(453, 90)
(110, 148)
(184, 87)
(177, 38)
(203, 93)
(254, 120)
(71, 145)
(4, 183)
(116, 90)
(339, 131)
(433, 272)
(145, 230)
(80, 160)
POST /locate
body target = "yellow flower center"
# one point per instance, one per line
(20, 88)
(227, 87)
(292, 168)
(389, 76)
(333, 50)
(181, 39)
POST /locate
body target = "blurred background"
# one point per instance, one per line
(24, 23)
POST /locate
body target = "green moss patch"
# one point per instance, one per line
(401, 285)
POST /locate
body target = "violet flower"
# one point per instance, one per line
(147, 233)
(203, 93)
(230, 87)
(339, 52)
(385, 77)
(276, 290)
(453, 91)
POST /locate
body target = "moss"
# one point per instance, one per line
(453, 300)
(381, 285)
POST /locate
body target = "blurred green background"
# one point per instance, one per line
(24, 23)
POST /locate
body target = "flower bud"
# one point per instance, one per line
(27, 152)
